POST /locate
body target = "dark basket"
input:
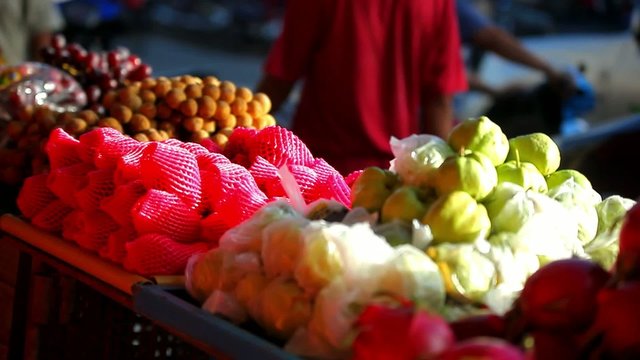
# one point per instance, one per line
(85, 324)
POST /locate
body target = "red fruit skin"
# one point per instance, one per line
(140, 72)
(562, 295)
(489, 325)
(628, 261)
(618, 321)
(483, 348)
(555, 345)
(402, 333)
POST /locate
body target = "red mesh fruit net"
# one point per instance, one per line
(237, 148)
(330, 184)
(128, 166)
(62, 149)
(157, 254)
(333, 188)
(209, 184)
(306, 179)
(212, 227)
(114, 249)
(263, 171)
(273, 189)
(106, 145)
(194, 148)
(352, 177)
(173, 170)
(341, 191)
(34, 195)
(172, 142)
(267, 178)
(243, 205)
(119, 205)
(72, 225)
(165, 213)
(234, 193)
(207, 161)
(323, 169)
(64, 182)
(99, 186)
(210, 145)
(89, 229)
(280, 146)
(50, 217)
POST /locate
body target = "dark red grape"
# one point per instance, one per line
(113, 59)
(98, 108)
(140, 73)
(93, 93)
(119, 73)
(48, 54)
(58, 41)
(91, 62)
(77, 52)
(106, 82)
(133, 61)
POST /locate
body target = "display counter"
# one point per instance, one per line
(70, 304)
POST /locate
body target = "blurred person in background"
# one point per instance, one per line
(95, 23)
(480, 32)
(26, 26)
(635, 21)
(372, 69)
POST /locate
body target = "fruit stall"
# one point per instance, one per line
(158, 217)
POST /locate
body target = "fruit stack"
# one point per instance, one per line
(97, 71)
(121, 94)
(150, 205)
(488, 209)
(185, 107)
(568, 309)
(457, 226)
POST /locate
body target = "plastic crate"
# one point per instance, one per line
(173, 307)
(85, 324)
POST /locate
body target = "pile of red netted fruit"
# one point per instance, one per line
(151, 205)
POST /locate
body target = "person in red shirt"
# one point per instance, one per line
(372, 69)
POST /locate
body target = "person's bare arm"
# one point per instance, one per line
(437, 114)
(501, 42)
(276, 89)
(476, 84)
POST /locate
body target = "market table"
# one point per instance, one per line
(160, 300)
(170, 306)
(98, 311)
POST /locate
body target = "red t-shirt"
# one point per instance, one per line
(365, 63)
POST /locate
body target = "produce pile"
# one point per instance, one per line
(456, 226)
(120, 93)
(151, 205)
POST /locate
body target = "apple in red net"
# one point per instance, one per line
(483, 348)
(628, 261)
(556, 345)
(617, 322)
(400, 332)
(490, 325)
(562, 295)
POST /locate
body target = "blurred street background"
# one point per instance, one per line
(230, 39)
